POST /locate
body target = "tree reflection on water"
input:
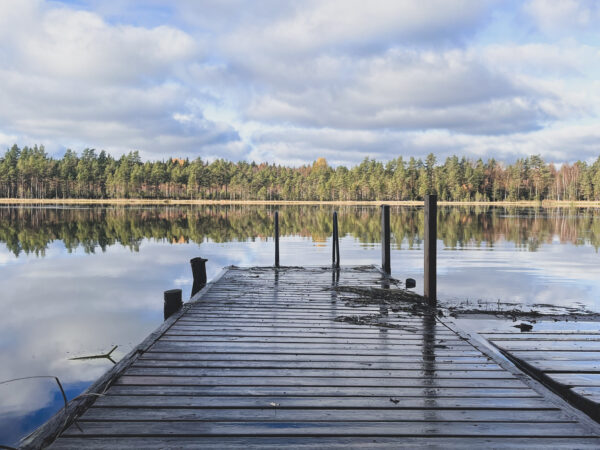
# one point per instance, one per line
(31, 229)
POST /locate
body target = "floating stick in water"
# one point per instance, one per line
(101, 356)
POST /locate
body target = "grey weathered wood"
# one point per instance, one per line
(541, 333)
(441, 367)
(335, 252)
(593, 392)
(312, 357)
(149, 397)
(296, 349)
(366, 415)
(549, 346)
(386, 264)
(339, 328)
(199, 274)
(342, 429)
(365, 372)
(555, 355)
(276, 237)
(196, 344)
(294, 443)
(173, 302)
(308, 314)
(303, 340)
(572, 366)
(543, 336)
(131, 386)
(262, 357)
(576, 379)
(569, 365)
(309, 341)
(430, 245)
(248, 333)
(178, 378)
(283, 319)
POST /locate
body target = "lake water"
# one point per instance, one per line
(79, 280)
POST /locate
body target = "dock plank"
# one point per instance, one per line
(151, 397)
(334, 415)
(405, 357)
(324, 428)
(328, 372)
(276, 364)
(331, 381)
(303, 443)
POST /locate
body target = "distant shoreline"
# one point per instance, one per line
(133, 201)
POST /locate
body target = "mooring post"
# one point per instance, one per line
(337, 245)
(276, 238)
(199, 273)
(173, 302)
(335, 251)
(386, 264)
(430, 283)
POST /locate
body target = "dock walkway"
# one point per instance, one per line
(293, 358)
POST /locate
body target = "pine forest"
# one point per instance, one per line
(29, 172)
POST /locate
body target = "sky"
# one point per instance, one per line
(288, 82)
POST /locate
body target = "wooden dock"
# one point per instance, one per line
(566, 361)
(299, 358)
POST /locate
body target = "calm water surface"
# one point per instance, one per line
(76, 281)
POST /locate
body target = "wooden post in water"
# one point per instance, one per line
(386, 263)
(199, 273)
(173, 302)
(430, 282)
(335, 251)
(276, 238)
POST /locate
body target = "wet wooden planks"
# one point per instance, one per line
(264, 360)
(567, 361)
(318, 442)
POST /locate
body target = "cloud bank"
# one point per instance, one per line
(288, 82)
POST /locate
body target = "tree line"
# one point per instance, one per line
(31, 230)
(29, 172)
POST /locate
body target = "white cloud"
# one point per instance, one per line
(346, 24)
(286, 81)
(543, 59)
(6, 140)
(75, 80)
(408, 90)
(82, 46)
(560, 16)
(297, 145)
